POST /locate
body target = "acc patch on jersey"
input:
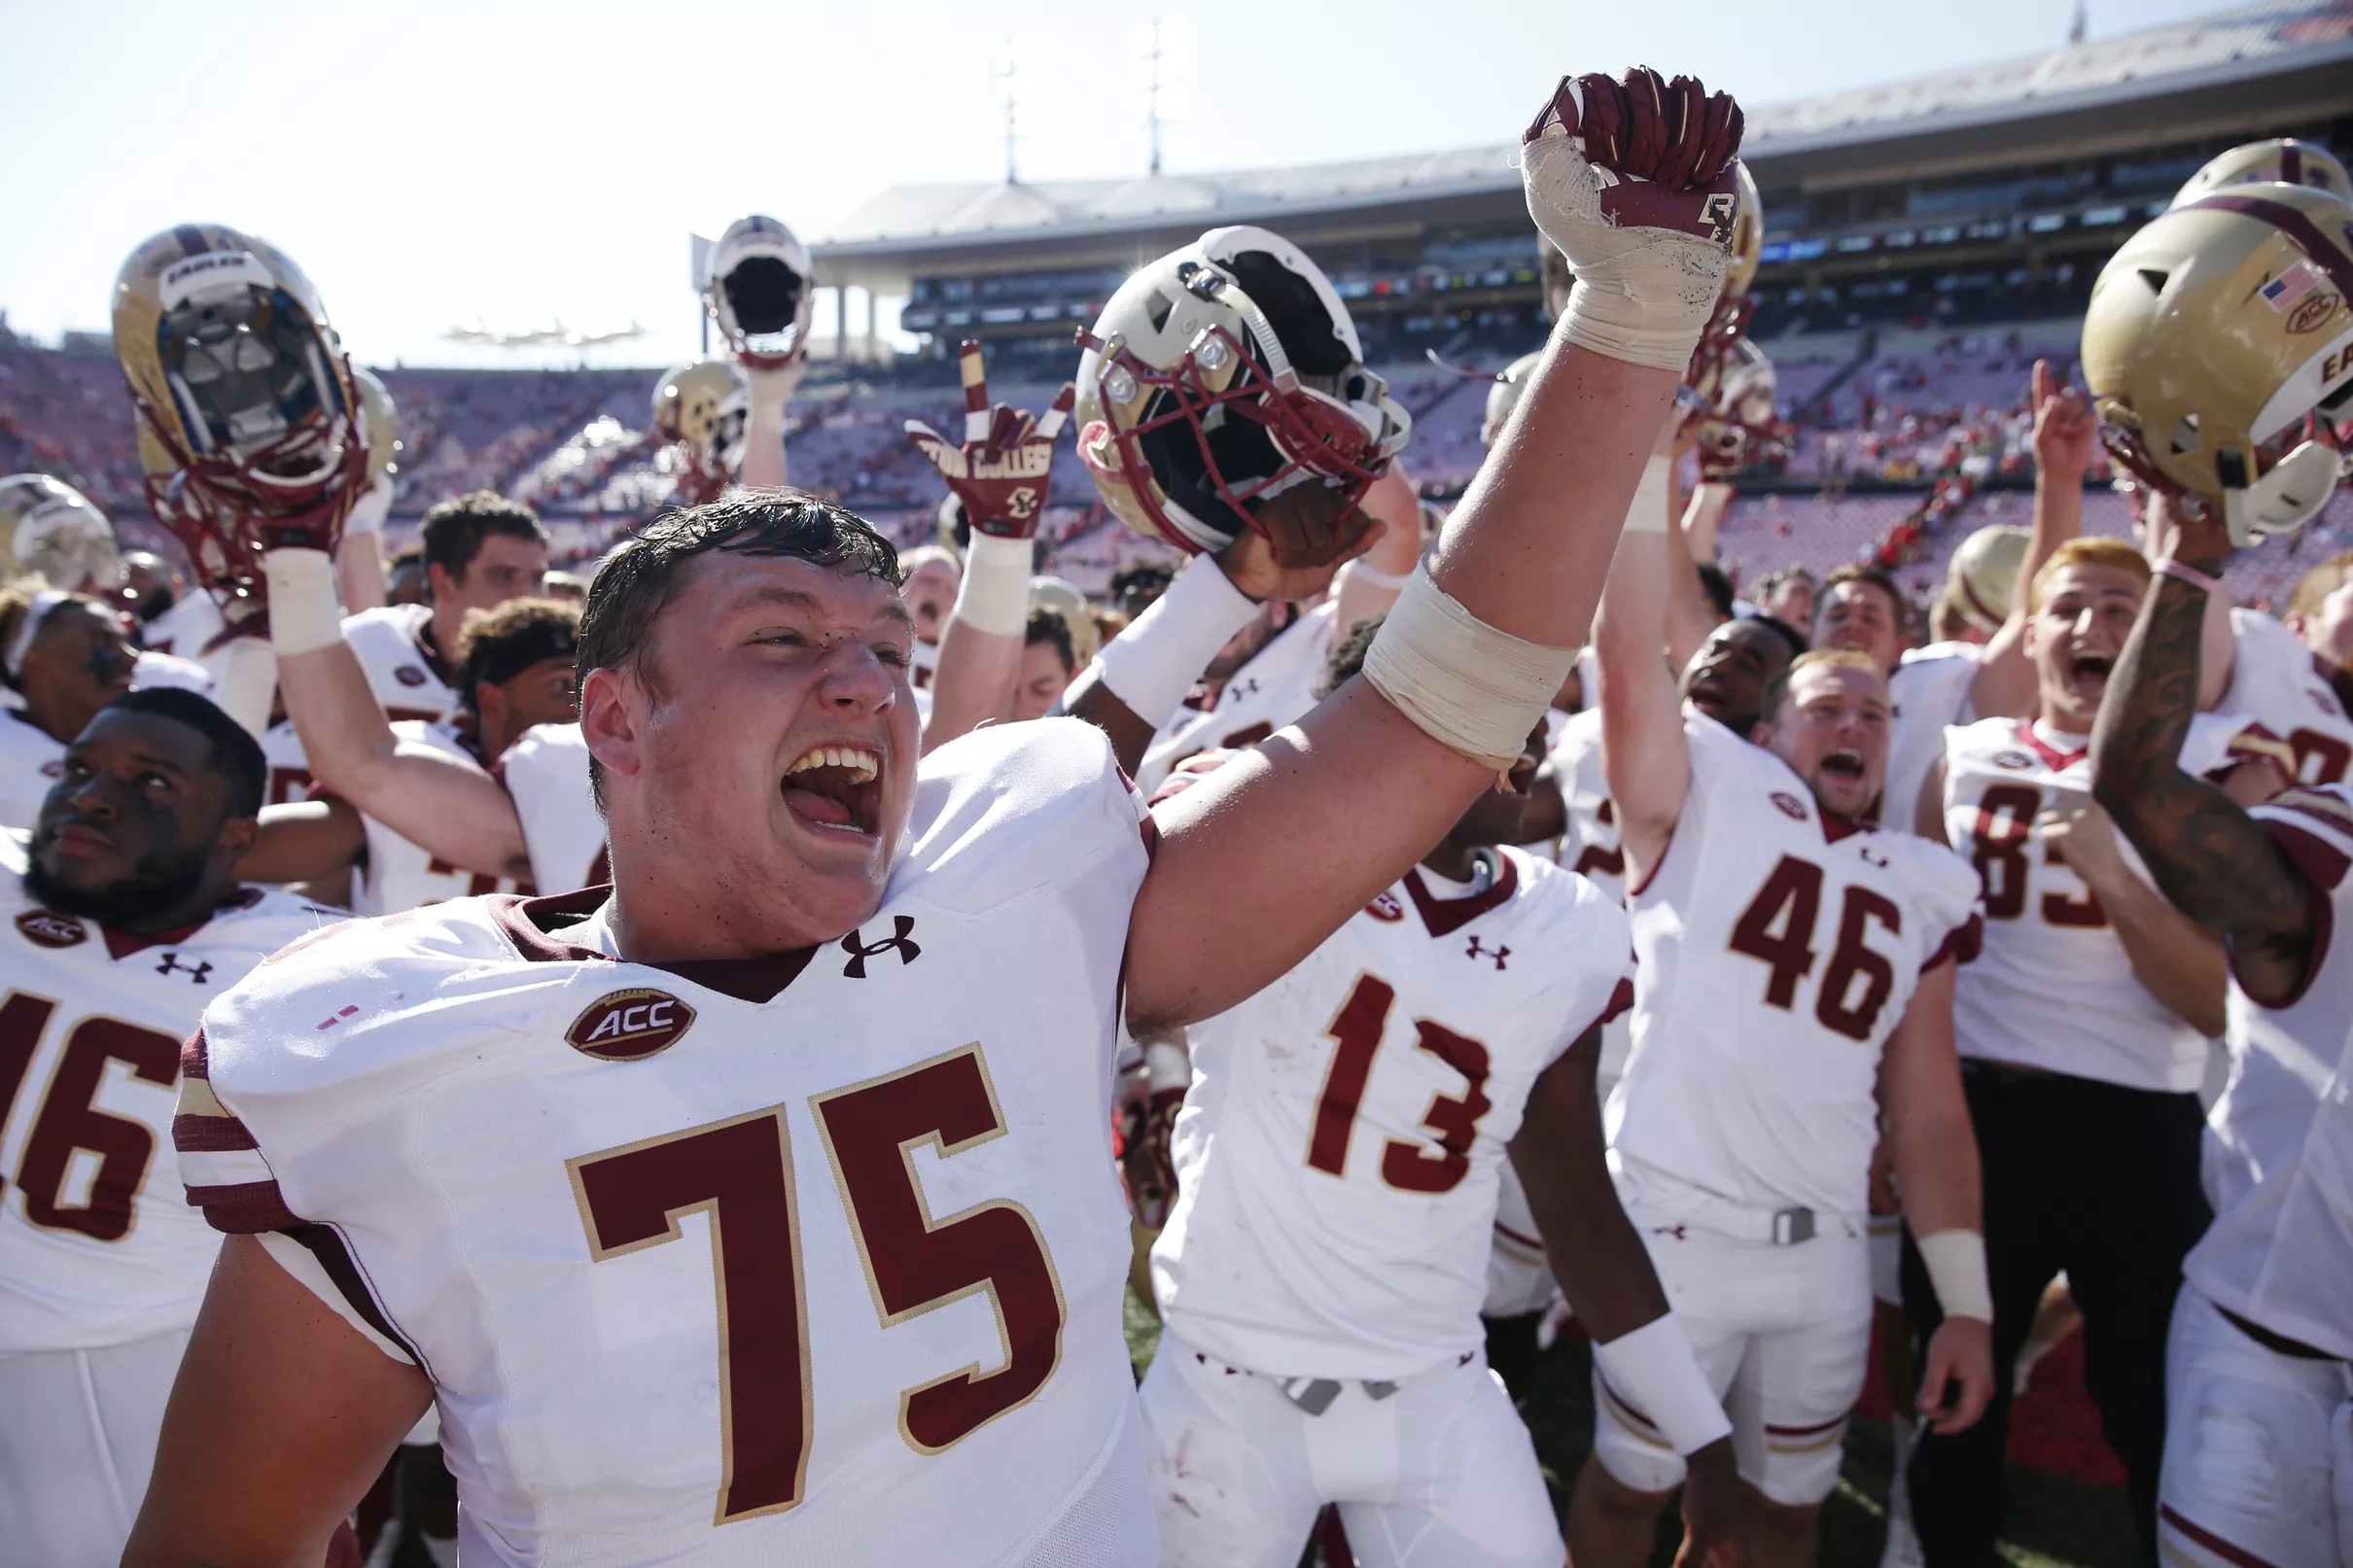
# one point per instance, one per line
(628, 1026)
(408, 675)
(45, 928)
(1791, 805)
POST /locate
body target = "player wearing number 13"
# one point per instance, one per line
(123, 917)
(1796, 975)
(761, 1209)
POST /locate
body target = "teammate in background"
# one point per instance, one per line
(480, 550)
(528, 1148)
(2256, 1361)
(1778, 932)
(932, 578)
(1337, 1160)
(1048, 665)
(2101, 1105)
(1861, 607)
(62, 657)
(516, 666)
(1787, 595)
(407, 583)
(1136, 588)
(124, 920)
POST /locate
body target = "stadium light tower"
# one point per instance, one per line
(1160, 46)
(1008, 68)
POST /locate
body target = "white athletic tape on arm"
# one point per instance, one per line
(304, 616)
(995, 594)
(1654, 1371)
(1153, 664)
(1956, 1267)
(1654, 496)
(1467, 685)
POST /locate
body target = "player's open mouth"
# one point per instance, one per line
(837, 789)
(1845, 764)
(2092, 669)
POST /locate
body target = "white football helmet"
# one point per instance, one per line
(760, 288)
(699, 413)
(50, 530)
(2281, 160)
(1221, 375)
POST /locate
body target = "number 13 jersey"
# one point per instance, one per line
(1338, 1153)
(733, 1262)
(1778, 948)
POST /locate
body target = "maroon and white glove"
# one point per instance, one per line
(1638, 183)
(1004, 470)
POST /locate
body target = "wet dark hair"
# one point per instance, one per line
(1784, 631)
(235, 754)
(497, 645)
(453, 530)
(1048, 626)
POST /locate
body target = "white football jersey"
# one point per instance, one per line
(1930, 693)
(30, 765)
(2280, 1251)
(1590, 849)
(812, 1258)
(1276, 688)
(1778, 949)
(186, 629)
(290, 775)
(408, 679)
(152, 670)
(1337, 1153)
(97, 1247)
(2293, 692)
(2052, 987)
(546, 773)
(400, 873)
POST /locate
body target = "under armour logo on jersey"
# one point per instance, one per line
(1675, 1230)
(904, 926)
(196, 973)
(1498, 953)
(1236, 691)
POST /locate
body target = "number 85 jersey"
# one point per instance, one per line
(1778, 948)
(814, 1258)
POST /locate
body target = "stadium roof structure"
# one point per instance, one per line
(2249, 67)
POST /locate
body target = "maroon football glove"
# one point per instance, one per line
(1004, 470)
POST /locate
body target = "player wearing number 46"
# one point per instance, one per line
(2084, 1030)
(821, 1259)
(123, 918)
(1796, 977)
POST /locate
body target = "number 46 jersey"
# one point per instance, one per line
(816, 1258)
(1778, 948)
(1338, 1153)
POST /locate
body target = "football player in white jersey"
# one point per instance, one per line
(516, 666)
(62, 657)
(2258, 1467)
(480, 550)
(1337, 1160)
(125, 918)
(1777, 931)
(2084, 1028)
(895, 1333)
(932, 578)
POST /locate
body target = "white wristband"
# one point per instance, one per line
(1167, 1066)
(304, 616)
(995, 594)
(1374, 578)
(367, 513)
(1467, 685)
(1154, 663)
(1654, 496)
(1957, 1267)
(1653, 1371)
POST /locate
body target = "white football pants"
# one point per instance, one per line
(78, 1432)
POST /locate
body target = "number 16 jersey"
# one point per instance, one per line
(1778, 948)
(814, 1258)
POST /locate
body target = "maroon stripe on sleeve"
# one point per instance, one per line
(210, 1135)
(243, 1207)
(1961, 944)
(194, 1063)
(325, 1243)
(2227, 1550)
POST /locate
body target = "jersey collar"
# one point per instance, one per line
(527, 923)
(120, 945)
(1443, 917)
(2030, 734)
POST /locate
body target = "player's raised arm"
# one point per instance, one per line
(1001, 474)
(454, 809)
(2065, 434)
(2214, 863)
(1635, 183)
(1644, 757)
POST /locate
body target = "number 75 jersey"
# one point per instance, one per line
(1778, 949)
(816, 1258)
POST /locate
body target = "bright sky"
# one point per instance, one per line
(517, 161)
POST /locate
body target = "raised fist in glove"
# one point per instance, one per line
(1003, 472)
(1637, 181)
(771, 379)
